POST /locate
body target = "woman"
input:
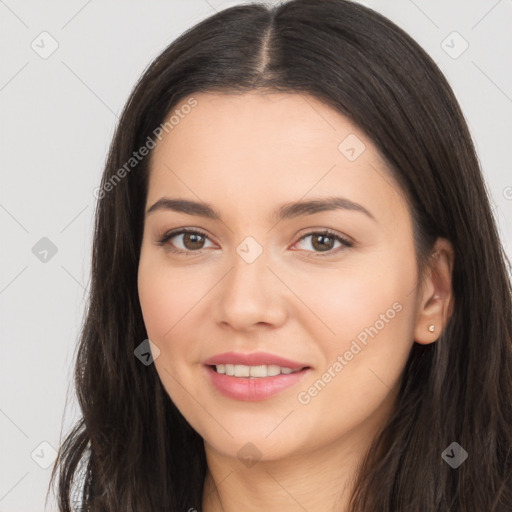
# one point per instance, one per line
(299, 300)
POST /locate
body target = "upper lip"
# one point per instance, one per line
(254, 359)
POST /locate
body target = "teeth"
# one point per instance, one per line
(240, 370)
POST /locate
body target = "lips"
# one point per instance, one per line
(253, 388)
(254, 359)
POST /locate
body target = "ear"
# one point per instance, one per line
(435, 299)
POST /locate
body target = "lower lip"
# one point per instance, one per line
(245, 388)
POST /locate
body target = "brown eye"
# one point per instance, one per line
(184, 241)
(193, 241)
(324, 242)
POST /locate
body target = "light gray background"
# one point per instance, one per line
(58, 116)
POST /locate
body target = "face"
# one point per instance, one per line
(326, 286)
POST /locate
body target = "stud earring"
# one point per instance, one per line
(431, 328)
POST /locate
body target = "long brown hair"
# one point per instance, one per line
(137, 451)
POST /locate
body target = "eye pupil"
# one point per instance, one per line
(323, 246)
(194, 238)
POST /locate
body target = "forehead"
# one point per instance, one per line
(258, 148)
(273, 125)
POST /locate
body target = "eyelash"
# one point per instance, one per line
(326, 232)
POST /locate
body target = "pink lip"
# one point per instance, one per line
(254, 359)
(253, 389)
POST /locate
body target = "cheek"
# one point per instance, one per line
(368, 313)
(172, 301)
(358, 299)
(354, 390)
(166, 296)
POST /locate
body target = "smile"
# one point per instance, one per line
(255, 372)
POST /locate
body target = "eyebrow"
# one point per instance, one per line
(284, 212)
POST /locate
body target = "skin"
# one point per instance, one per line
(246, 155)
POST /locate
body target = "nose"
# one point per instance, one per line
(250, 295)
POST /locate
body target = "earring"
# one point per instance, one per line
(431, 327)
